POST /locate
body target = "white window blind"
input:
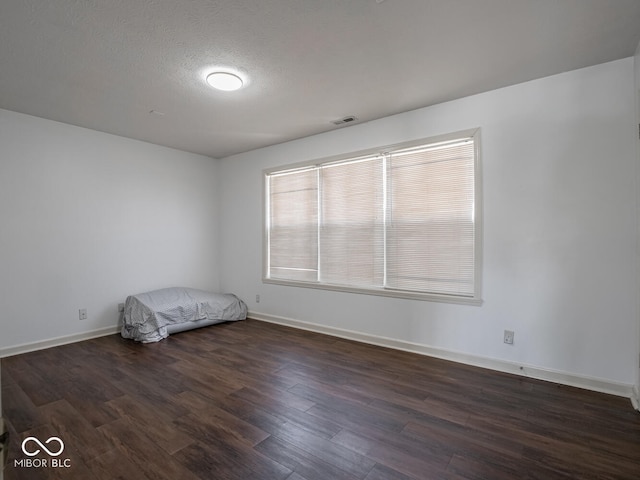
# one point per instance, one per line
(401, 222)
(293, 225)
(430, 232)
(352, 223)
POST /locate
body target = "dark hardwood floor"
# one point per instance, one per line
(251, 400)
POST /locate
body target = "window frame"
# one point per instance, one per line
(476, 299)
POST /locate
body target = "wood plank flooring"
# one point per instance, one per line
(255, 401)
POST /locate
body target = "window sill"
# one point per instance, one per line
(428, 297)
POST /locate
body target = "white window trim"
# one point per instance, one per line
(387, 292)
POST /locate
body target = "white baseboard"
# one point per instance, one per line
(564, 378)
(55, 342)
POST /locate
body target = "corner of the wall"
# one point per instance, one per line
(635, 397)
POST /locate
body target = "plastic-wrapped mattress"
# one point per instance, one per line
(152, 316)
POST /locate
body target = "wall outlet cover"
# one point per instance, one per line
(508, 337)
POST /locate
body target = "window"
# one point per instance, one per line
(401, 221)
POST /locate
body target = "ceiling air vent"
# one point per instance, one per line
(342, 121)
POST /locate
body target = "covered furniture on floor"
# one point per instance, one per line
(152, 316)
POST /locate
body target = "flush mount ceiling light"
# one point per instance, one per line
(226, 81)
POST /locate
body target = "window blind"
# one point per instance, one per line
(400, 221)
(352, 223)
(430, 230)
(293, 225)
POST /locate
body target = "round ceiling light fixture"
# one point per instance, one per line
(225, 81)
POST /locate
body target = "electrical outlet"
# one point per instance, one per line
(508, 337)
(82, 314)
(257, 298)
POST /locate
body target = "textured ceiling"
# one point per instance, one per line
(106, 64)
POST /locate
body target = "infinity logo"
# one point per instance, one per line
(38, 442)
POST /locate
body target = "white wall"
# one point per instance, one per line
(559, 228)
(89, 218)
